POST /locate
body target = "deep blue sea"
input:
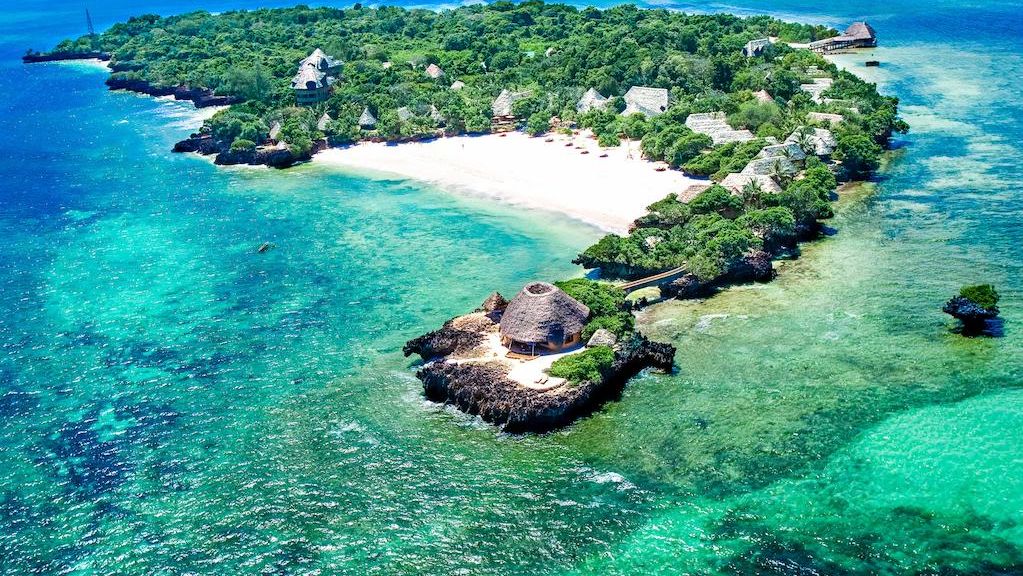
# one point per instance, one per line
(172, 402)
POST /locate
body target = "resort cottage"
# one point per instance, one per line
(647, 101)
(434, 71)
(591, 100)
(314, 77)
(542, 318)
(755, 47)
(367, 121)
(859, 35)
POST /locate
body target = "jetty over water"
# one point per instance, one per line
(655, 280)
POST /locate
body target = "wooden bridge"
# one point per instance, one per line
(655, 280)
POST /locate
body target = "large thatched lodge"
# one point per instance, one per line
(857, 35)
(542, 318)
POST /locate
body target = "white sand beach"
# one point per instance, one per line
(607, 192)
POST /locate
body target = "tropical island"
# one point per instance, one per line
(707, 145)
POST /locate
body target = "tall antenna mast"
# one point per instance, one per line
(88, 20)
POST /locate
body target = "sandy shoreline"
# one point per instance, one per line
(556, 176)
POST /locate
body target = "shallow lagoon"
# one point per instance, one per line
(173, 401)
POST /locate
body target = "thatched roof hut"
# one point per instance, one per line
(788, 150)
(367, 120)
(715, 125)
(457, 85)
(820, 140)
(434, 71)
(647, 101)
(825, 117)
(736, 182)
(755, 47)
(502, 105)
(591, 100)
(542, 315)
(324, 122)
(320, 61)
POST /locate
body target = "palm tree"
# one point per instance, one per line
(752, 194)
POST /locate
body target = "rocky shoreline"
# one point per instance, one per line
(279, 156)
(274, 157)
(483, 388)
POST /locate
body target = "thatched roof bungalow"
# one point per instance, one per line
(755, 47)
(314, 77)
(434, 71)
(825, 117)
(367, 121)
(775, 167)
(788, 150)
(540, 318)
(857, 35)
(647, 101)
(457, 85)
(736, 182)
(502, 105)
(820, 140)
(591, 100)
(320, 61)
(715, 125)
(817, 88)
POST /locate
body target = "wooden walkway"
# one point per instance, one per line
(655, 280)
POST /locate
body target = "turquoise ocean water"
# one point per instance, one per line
(173, 403)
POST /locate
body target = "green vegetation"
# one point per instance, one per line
(606, 303)
(589, 365)
(724, 159)
(713, 232)
(983, 295)
(555, 51)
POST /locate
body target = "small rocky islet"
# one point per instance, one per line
(481, 363)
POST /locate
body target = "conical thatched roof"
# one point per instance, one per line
(540, 313)
(324, 122)
(591, 100)
(367, 119)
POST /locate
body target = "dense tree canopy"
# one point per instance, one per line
(555, 50)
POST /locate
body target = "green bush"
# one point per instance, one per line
(242, 145)
(983, 295)
(590, 365)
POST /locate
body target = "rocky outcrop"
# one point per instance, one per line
(274, 157)
(199, 144)
(976, 319)
(201, 97)
(484, 389)
(444, 342)
(756, 266)
(34, 57)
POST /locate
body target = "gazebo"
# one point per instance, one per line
(542, 318)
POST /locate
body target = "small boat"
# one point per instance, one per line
(585, 152)
(603, 155)
(568, 143)
(661, 168)
(265, 246)
(873, 63)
